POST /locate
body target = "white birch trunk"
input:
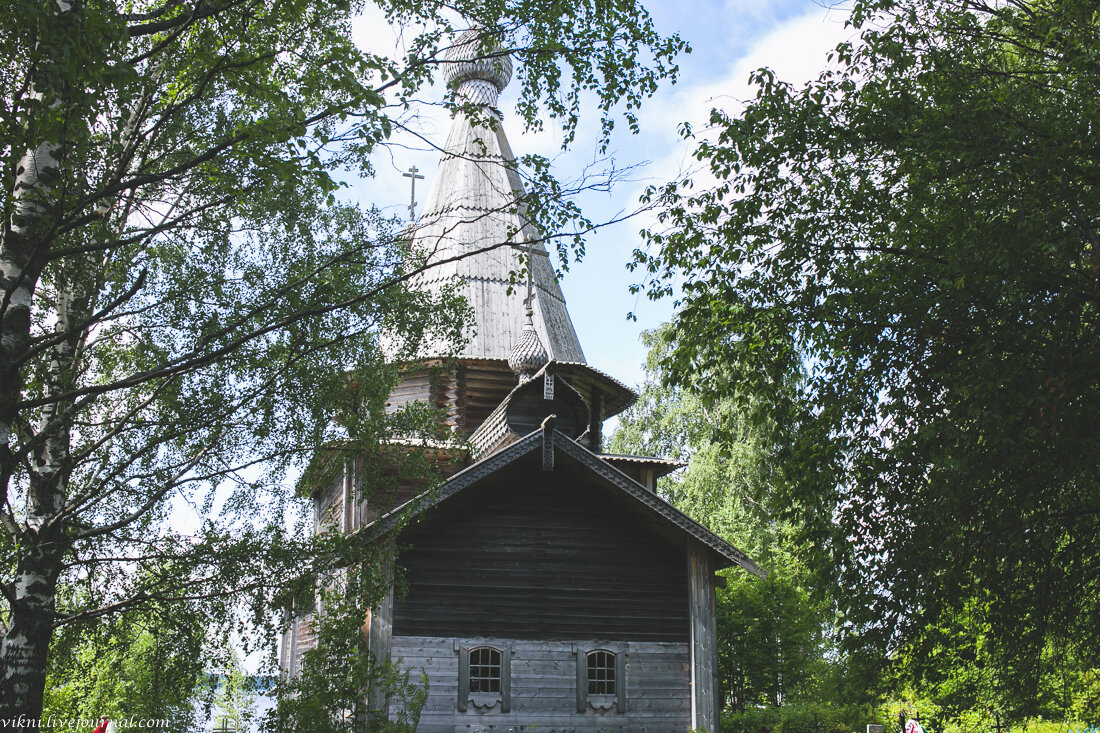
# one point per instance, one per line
(25, 647)
(23, 254)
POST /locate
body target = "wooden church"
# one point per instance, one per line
(548, 586)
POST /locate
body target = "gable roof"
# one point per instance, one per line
(587, 381)
(560, 443)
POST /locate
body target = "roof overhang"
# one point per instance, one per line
(553, 443)
(659, 466)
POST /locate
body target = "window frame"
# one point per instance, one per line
(504, 696)
(488, 664)
(609, 668)
(585, 699)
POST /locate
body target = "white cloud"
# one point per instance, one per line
(795, 50)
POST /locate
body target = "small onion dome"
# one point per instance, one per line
(478, 79)
(528, 354)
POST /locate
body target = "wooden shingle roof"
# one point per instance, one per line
(473, 230)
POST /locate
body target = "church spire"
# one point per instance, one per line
(474, 230)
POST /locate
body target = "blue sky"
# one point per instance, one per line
(729, 39)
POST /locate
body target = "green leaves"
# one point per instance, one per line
(771, 646)
(916, 230)
(197, 311)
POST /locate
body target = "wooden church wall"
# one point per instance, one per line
(543, 689)
(546, 566)
(527, 411)
(529, 555)
(467, 392)
(481, 386)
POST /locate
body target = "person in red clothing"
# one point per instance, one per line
(102, 727)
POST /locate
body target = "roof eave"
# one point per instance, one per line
(534, 441)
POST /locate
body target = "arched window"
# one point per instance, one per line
(485, 669)
(601, 672)
(601, 680)
(484, 677)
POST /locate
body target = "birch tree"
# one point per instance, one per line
(184, 298)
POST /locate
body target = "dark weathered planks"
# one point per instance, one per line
(528, 409)
(704, 640)
(529, 555)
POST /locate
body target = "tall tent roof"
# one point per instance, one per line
(473, 227)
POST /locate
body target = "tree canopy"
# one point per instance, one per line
(771, 633)
(916, 230)
(187, 305)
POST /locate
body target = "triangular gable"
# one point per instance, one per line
(591, 384)
(535, 441)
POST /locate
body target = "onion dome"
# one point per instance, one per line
(473, 231)
(528, 354)
(479, 80)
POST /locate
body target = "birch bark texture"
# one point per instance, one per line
(32, 592)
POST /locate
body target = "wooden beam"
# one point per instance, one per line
(548, 443)
(582, 679)
(463, 678)
(379, 627)
(704, 639)
(506, 680)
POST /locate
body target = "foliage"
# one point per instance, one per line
(961, 688)
(188, 311)
(917, 229)
(771, 633)
(771, 641)
(343, 685)
(733, 466)
(797, 717)
(232, 705)
(149, 665)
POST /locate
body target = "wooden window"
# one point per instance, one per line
(601, 672)
(484, 677)
(484, 669)
(601, 680)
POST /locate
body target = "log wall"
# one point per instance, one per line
(529, 555)
(481, 386)
(543, 687)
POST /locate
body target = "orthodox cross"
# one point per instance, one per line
(412, 194)
(531, 252)
(998, 727)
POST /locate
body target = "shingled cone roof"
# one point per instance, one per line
(475, 209)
